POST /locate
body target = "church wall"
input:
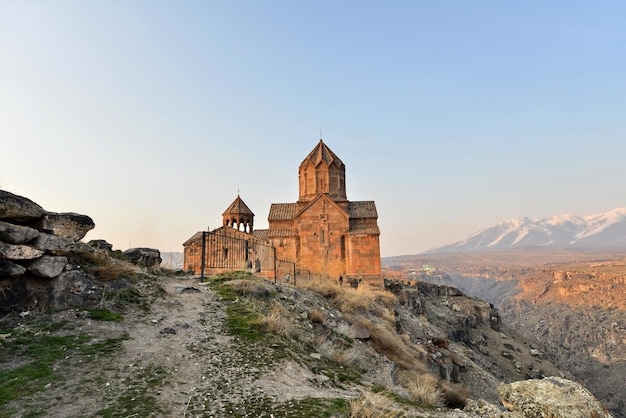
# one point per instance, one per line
(363, 255)
(320, 229)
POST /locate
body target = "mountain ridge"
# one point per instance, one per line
(603, 231)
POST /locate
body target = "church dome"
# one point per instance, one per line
(322, 172)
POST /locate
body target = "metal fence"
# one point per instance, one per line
(224, 251)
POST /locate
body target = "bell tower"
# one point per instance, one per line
(238, 216)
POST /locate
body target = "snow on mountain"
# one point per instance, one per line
(599, 232)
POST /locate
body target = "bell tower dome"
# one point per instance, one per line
(238, 216)
(322, 172)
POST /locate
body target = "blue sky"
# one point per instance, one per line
(149, 116)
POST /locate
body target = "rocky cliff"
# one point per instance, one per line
(574, 303)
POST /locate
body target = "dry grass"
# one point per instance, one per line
(353, 356)
(248, 288)
(317, 316)
(386, 341)
(356, 302)
(112, 271)
(423, 387)
(374, 405)
(276, 321)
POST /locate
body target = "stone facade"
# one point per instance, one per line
(323, 232)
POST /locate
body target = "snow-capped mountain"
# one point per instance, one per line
(604, 231)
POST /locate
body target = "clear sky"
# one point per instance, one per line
(452, 116)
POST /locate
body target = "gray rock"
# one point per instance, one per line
(54, 245)
(146, 257)
(67, 225)
(100, 244)
(18, 252)
(551, 397)
(48, 266)
(18, 208)
(359, 332)
(9, 269)
(16, 234)
(74, 288)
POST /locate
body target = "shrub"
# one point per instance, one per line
(316, 316)
(423, 387)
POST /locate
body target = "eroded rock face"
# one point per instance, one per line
(66, 225)
(551, 397)
(75, 288)
(18, 208)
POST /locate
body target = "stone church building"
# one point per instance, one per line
(323, 232)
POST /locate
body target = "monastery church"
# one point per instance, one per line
(323, 232)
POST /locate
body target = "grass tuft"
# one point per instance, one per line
(374, 405)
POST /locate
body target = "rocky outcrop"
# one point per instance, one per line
(551, 397)
(34, 250)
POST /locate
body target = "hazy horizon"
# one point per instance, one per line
(151, 117)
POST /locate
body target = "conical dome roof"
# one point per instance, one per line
(322, 153)
(238, 207)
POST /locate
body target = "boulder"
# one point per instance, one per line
(52, 244)
(551, 397)
(18, 208)
(48, 266)
(146, 257)
(16, 234)
(100, 244)
(18, 252)
(67, 225)
(485, 409)
(9, 269)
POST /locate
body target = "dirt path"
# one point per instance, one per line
(177, 359)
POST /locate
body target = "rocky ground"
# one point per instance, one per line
(167, 345)
(175, 359)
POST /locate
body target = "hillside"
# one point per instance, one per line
(155, 344)
(574, 303)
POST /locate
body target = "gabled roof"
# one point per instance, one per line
(238, 207)
(322, 153)
(260, 233)
(282, 211)
(319, 197)
(365, 209)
